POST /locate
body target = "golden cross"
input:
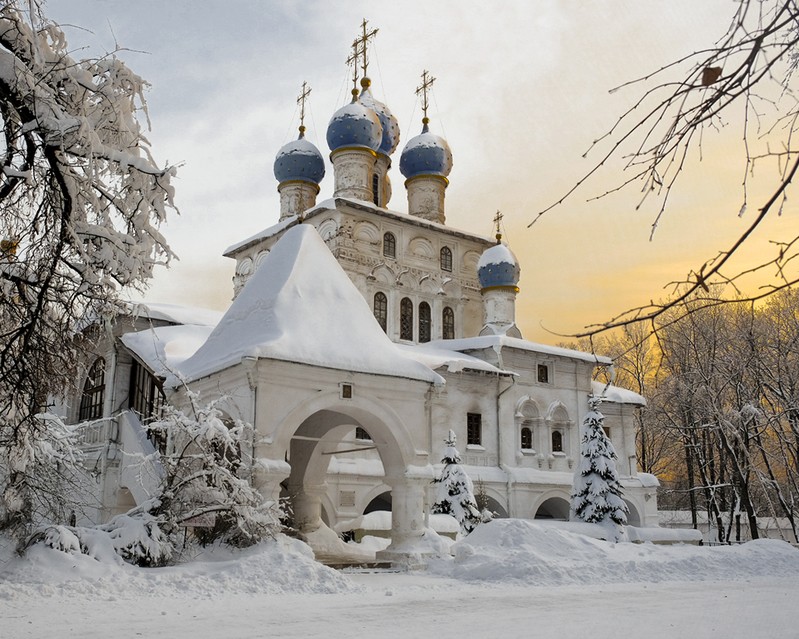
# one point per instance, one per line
(498, 221)
(306, 91)
(359, 46)
(427, 83)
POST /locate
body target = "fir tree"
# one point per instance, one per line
(455, 491)
(597, 494)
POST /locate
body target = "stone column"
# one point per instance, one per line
(306, 504)
(408, 548)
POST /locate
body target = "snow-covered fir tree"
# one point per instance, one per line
(596, 494)
(455, 491)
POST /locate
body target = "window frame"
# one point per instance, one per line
(447, 323)
(474, 429)
(381, 313)
(92, 398)
(425, 322)
(445, 259)
(389, 245)
(406, 319)
(526, 433)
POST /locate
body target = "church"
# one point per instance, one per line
(358, 336)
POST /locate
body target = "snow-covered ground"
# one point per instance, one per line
(509, 578)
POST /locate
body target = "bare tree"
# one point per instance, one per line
(745, 80)
(81, 200)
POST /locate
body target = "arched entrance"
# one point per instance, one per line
(309, 446)
(633, 517)
(553, 508)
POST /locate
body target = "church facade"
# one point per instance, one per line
(358, 336)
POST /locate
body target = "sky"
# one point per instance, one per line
(522, 89)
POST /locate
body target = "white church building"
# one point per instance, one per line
(357, 337)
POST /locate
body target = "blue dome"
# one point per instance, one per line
(299, 160)
(354, 125)
(498, 267)
(391, 132)
(426, 154)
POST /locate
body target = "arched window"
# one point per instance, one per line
(557, 441)
(527, 438)
(446, 259)
(389, 245)
(376, 189)
(448, 323)
(91, 402)
(425, 320)
(406, 319)
(381, 310)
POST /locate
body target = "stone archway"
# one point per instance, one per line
(320, 431)
(633, 516)
(553, 508)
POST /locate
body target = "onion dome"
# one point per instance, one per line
(299, 160)
(354, 125)
(498, 267)
(426, 154)
(391, 132)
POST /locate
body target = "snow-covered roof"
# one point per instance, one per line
(435, 357)
(617, 394)
(497, 254)
(499, 341)
(176, 314)
(332, 204)
(300, 306)
(164, 348)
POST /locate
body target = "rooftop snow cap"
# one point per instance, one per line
(498, 267)
(354, 125)
(299, 160)
(391, 132)
(426, 154)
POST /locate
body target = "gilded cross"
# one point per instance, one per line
(497, 222)
(359, 51)
(306, 91)
(427, 83)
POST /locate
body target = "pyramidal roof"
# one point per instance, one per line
(300, 306)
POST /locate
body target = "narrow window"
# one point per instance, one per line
(527, 438)
(360, 433)
(376, 189)
(406, 319)
(557, 441)
(448, 323)
(424, 322)
(381, 310)
(389, 245)
(146, 396)
(446, 259)
(91, 402)
(474, 429)
(607, 431)
(543, 374)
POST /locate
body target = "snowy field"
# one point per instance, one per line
(510, 579)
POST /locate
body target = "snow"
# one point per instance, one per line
(497, 342)
(163, 349)
(616, 394)
(436, 357)
(177, 314)
(497, 254)
(300, 306)
(510, 578)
